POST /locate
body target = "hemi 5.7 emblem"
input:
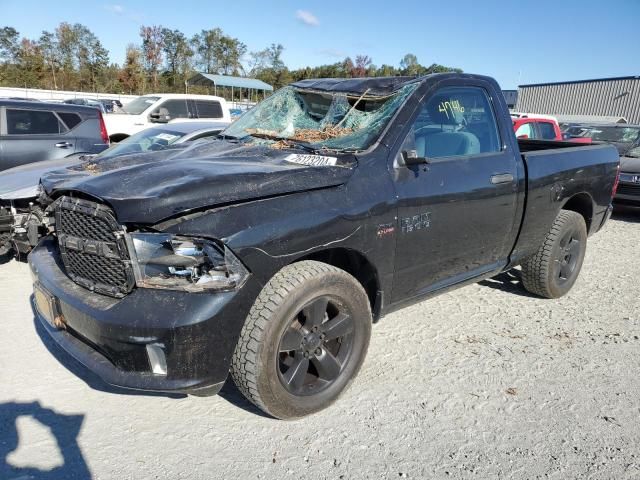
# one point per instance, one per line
(416, 222)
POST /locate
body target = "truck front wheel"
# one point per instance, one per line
(304, 340)
(554, 268)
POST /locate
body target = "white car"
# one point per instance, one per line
(149, 110)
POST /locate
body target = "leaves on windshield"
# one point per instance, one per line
(307, 135)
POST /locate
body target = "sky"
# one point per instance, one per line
(516, 42)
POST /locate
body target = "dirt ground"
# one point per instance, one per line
(483, 382)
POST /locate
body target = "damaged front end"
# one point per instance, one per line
(164, 260)
(21, 226)
(6, 223)
(135, 305)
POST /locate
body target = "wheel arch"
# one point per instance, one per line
(118, 137)
(356, 264)
(581, 203)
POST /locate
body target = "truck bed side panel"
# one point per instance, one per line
(555, 176)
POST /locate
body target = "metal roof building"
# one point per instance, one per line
(603, 97)
(215, 81)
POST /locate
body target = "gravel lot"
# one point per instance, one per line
(483, 382)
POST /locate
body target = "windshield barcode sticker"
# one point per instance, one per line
(311, 160)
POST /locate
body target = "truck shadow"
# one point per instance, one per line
(64, 428)
(232, 395)
(509, 281)
(80, 371)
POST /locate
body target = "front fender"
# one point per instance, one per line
(271, 233)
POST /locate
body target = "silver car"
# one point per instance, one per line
(36, 131)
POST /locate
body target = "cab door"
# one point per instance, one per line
(456, 213)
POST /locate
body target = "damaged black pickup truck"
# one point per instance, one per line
(270, 252)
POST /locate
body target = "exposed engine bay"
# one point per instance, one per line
(22, 224)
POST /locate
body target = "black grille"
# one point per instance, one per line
(93, 250)
(85, 226)
(628, 189)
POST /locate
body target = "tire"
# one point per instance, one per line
(554, 268)
(289, 320)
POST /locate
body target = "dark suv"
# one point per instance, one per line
(35, 131)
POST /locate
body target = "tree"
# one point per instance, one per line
(67, 44)
(228, 53)
(274, 54)
(131, 77)
(152, 45)
(218, 53)
(347, 67)
(31, 65)
(361, 65)
(409, 64)
(269, 58)
(9, 50)
(9, 44)
(178, 54)
(93, 58)
(436, 68)
(49, 47)
(204, 44)
(385, 71)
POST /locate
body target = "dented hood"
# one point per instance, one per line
(151, 187)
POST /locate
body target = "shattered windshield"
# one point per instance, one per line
(615, 134)
(337, 121)
(633, 152)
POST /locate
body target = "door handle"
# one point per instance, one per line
(64, 145)
(501, 178)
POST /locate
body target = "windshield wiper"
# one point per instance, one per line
(224, 136)
(294, 143)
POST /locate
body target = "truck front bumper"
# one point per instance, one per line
(155, 340)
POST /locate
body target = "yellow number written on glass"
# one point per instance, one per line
(450, 106)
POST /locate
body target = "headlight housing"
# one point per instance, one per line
(164, 260)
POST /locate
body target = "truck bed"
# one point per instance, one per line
(556, 172)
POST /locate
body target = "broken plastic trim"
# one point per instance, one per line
(191, 264)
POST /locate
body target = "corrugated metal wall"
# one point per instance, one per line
(615, 97)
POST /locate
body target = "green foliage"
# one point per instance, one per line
(178, 54)
(72, 58)
(152, 47)
(131, 76)
(9, 44)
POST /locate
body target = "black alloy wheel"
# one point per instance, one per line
(303, 341)
(568, 256)
(315, 346)
(554, 268)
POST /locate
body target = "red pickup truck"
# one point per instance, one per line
(536, 127)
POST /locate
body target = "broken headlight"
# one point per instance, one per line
(164, 260)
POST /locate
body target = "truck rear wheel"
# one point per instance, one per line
(304, 340)
(554, 268)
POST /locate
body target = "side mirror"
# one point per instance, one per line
(411, 157)
(160, 115)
